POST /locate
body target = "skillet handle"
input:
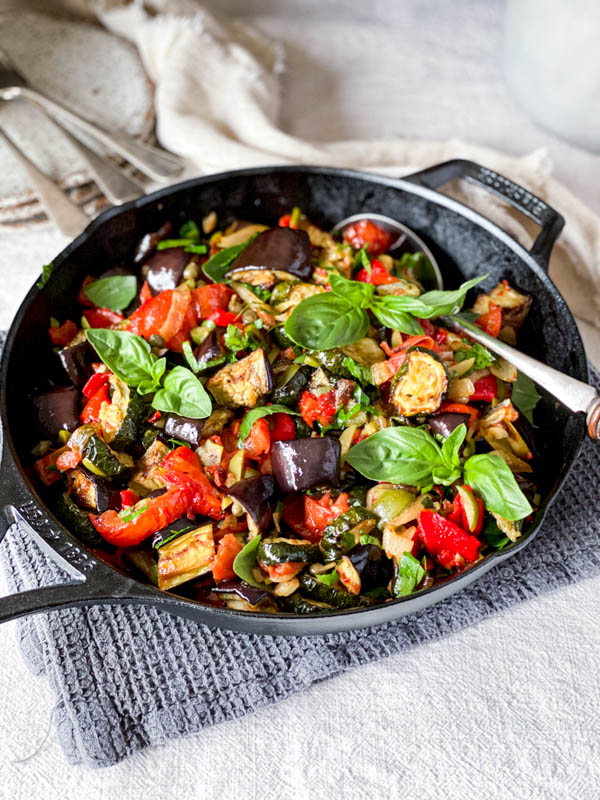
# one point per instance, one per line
(550, 221)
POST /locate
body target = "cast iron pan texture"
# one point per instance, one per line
(465, 244)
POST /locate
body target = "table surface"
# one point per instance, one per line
(505, 708)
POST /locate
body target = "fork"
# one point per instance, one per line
(152, 161)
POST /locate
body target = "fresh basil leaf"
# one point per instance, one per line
(257, 413)
(127, 355)
(441, 302)
(525, 396)
(328, 578)
(452, 444)
(355, 292)
(389, 313)
(483, 358)
(216, 267)
(361, 259)
(189, 230)
(399, 455)
(410, 574)
(147, 387)
(489, 475)
(115, 292)
(45, 277)
(361, 373)
(236, 340)
(413, 262)
(325, 321)
(183, 394)
(494, 536)
(158, 368)
(245, 562)
(445, 475)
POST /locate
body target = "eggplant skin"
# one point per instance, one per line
(283, 249)
(77, 360)
(91, 491)
(447, 422)
(301, 464)
(185, 429)
(165, 269)
(148, 242)
(250, 594)
(257, 497)
(241, 385)
(208, 350)
(372, 565)
(57, 410)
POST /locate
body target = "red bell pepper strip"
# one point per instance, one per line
(163, 315)
(91, 411)
(183, 468)
(318, 514)
(287, 570)
(224, 318)
(63, 334)
(284, 221)
(95, 383)
(379, 274)
(258, 442)
(102, 317)
(128, 498)
(46, 466)
(210, 298)
(68, 460)
(144, 519)
(492, 321)
(365, 232)
(282, 427)
(445, 540)
(227, 549)
(486, 389)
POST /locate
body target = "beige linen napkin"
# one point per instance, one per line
(217, 103)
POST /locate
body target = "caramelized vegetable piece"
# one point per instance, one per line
(303, 463)
(421, 383)
(281, 249)
(165, 269)
(186, 557)
(257, 498)
(241, 385)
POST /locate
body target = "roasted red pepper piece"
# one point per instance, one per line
(128, 498)
(450, 545)
(321, 408)
(210, 298)
(63, 334)
(258, 442)
(459, 408)
(318, 514)
(164, 315)
(227, 549)
(365, 232)
(492, 321)
(379, 274)
(102, 317)
(223, 318)
(287, 570)
(154, 514)
(486, 389)
(183, 468)
(46, 466)
(91, 411)
(284, 221)
(68, 460)
(95, 383)
(282, 428)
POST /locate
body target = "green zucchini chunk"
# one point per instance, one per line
(77, 520)
(281, 551)
(420, 384)
(345, 532)
(298, 604)
(122, 419)
(338, 598)
(290, 392)
(332, 361)
(102, 457)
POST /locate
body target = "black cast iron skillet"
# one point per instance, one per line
(464, 243)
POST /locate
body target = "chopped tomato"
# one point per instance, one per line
(82, 297)
(96, 382)
(459, 408)
(63, 334)
(365, 232)
(293, 515)
(145, 293)
(68, 460)
(321, 408)
(154, 418)
(210, 298)
(286, 570)
(46, 466)
(183, 468)
(492, 321)
(145, 518)
(227, 549)
(128, 498)
(285, 221)
(258, 442)
(486, 389)
(91, 411)
(379, 274)
(318, 514)
(102, 317)
(446, 541)
(224, 318)
(282, 428)
(164, 315)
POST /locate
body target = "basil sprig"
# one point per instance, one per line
(412, 456)
(245, 561)
(525, 396)
(131, 358)
(115, 292)
(257, 413)
(340, 317)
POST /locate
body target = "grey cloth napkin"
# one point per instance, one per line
(127, 677)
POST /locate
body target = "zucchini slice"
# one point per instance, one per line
(78, 521)
(106, 462)
(303, 605)
(345, 531)
(186, 557)
(122, 418)
(421, 383)
(280, 551)
(338, 598)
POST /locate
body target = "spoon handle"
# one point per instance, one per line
(574, 394)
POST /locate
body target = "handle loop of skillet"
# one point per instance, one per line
(550, 221)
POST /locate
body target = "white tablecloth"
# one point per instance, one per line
(505, 709)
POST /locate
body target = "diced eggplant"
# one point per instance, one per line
(177, 528)
(56, 410)
(148, 242)
(257, 497)
(301, 464)
(186, 557)
(78, 521)
(372, 566)
(241, 385)
(248, 593)
(209, 350)
(91, 491)
(282, 249)
(447, 422)
(165, 269)
(527, 432)
(77, 360)
(149, 475)
(185, 429)
(421, 383)
(515, 305)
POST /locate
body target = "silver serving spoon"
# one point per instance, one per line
(575, 395)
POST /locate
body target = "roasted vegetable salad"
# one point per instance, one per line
(270, 418)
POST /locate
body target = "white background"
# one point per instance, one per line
(505, 709)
